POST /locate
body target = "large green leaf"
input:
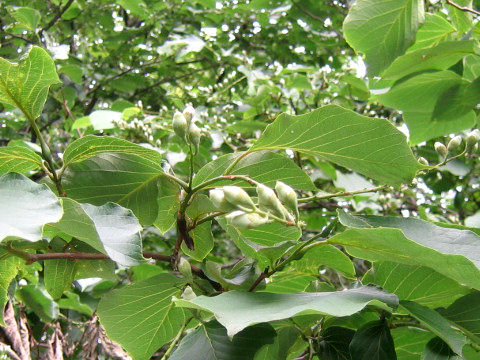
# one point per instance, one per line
(126, 179)
(417, 283)
(168, 204)
(8, 270)
(434, 30)
(465, 314)
(38, 300)
(141, 317)
(211, 342)
(26, 207)
(382, 30)
(410, 342)
(27, 17)
(437, 349)
(284, 340)
(58, 276)
(264, 166)
(18, 159)
(413, 242)
(91, 145)
(236, 310)
(370, 146)
(335, 343)
(25, 84)
(437, 324)
(418, 97)
(440, 57)
(373, 341)
(110, 229)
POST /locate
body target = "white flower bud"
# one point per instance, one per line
(238, 198)
(287, 195)
(185, 269)
(217, 197)
(472, 140)
(180, 125)
(267, 199)
(440, 149)
(243, 220)
(454, 144)
(193, 135)
(423, 161)
(188, 112)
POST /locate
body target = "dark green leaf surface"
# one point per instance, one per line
(38, 300)
(8, 270)
(372, 147)
(335, 343)
(465, 314)
(373, 341)
(58, 276)
(237, 310)
(141, 317)
(210, 342)
(26, 207)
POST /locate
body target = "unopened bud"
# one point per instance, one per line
(423, 161)
(473, 149)
(267, 199)
(454, 144)
(188, 112)
(188, 294)
(440, 149)
(287, 195)
(238, 198)
(193, 135)
(471, 140)
(185, 269)
(243, 220)
(217, 197)
(180, 125)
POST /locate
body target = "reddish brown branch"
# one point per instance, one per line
(463, 8)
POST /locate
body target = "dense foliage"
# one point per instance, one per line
(263, 179)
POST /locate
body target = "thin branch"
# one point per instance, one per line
(56, 17)
(463, 8)
(341, 193)
(307, 12)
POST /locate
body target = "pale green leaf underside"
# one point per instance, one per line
(465, 313)
(141, 317)
(452, 252)
(25, 84)
(237, 310)
(382, 30)
(58, 276)
(110, 229)
(370, 146)
(26, 207)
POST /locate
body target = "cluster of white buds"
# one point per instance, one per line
(185, 127)
(453, 146)
(281, 205)
(471, 141)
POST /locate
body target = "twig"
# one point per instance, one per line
(341, 193)
(463, 8)
(56, 18)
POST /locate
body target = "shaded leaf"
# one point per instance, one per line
(465, 314)
(58, 276)
(8, 270)
(39, 301)
(335, 343)
(373, 341)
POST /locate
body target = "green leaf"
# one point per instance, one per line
(289, 281)
(434, 30)
(136, 7)
(327, 255)
(465, 314)
(168, 204)
(110, 229)
(461, 18)
(382, 30)
(238, 310)
(58, 276)
(413, 242)
(26, 207)
(437, 324)
(284, 340)
(263, 166)
(27, 17)
(8, 270)
(440, 57)
(335, 343)
(18, 159)
(91, 145)
(126, 179)
(417, 283)
(410, 342)
(373, 341)
(72, 302)
(201, 234)
(39, 301)
(471, 67)
(418, 96)
(210, 342)
(370, 146)
(437, 349)
(141, 317)
(25, 84)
